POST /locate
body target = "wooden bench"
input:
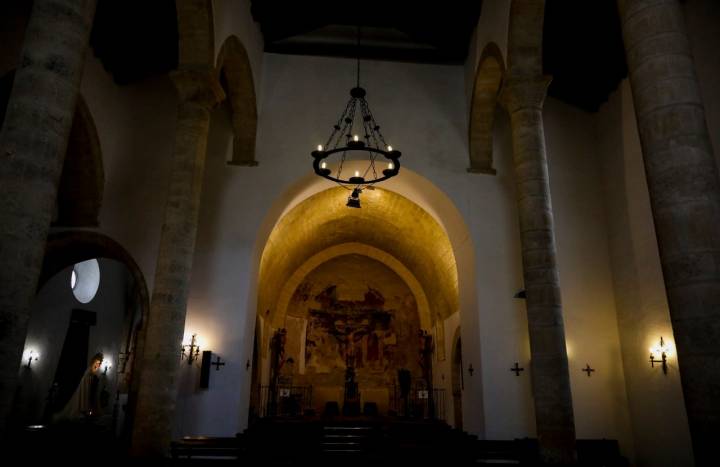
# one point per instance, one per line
(191, 447)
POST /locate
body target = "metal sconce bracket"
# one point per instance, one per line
(663, 356)
(191, 350)
(31, 357)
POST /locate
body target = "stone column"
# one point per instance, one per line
(685, 198)
(199, 92)
(523, 100)
(33, 143)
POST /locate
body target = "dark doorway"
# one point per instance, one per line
(457, 383)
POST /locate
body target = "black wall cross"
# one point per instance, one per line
(218, 364)
(587, 369)
(516, 369)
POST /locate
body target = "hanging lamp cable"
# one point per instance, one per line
(358, 56)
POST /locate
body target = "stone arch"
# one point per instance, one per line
(81, 185)
(69, 247)
(366, 250)
(235, 75)
(428, 197)
(82, 181)
(196, 33)
(388, 222)
(488, 79)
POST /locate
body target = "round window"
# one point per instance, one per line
(85, 280)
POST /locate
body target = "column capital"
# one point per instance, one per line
(201, 87)
(524, 93)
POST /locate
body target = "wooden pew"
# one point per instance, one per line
(195, 447)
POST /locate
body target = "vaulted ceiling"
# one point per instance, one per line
(389, 228)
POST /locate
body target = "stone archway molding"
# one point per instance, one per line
(235, 74)
(68, 247)
(354, 248)
(488, 79)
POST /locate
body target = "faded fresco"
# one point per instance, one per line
(356, 312)
(348, 332)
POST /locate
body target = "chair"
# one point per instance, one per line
(332, 409)
(370, 409)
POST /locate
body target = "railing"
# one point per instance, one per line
(284, 400)
(421, 402)
(291, 401)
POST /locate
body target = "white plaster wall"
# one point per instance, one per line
(493, 219)
(136, 129)
(49, 321)
(442, 369)
(585, 275)
(659, 421)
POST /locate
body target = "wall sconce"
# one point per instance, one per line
(107, 364)
(663, 350)
(190, 351)
(31, 355)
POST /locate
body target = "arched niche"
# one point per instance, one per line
(235, 75)
(488, 79)
(83, 179)
(80, 190)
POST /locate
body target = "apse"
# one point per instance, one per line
(353, 294)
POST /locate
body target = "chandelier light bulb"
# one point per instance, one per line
(355, 138)
(323, 165)
(391, 166)
(357, 173)
(389, 148)
(320, 147)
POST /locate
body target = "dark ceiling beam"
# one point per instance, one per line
(395, 54)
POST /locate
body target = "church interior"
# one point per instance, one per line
(292, 233)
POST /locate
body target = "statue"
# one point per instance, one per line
(351, 404)
(405, 381)
(86, 400)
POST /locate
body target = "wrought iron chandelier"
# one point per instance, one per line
(355, 134)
